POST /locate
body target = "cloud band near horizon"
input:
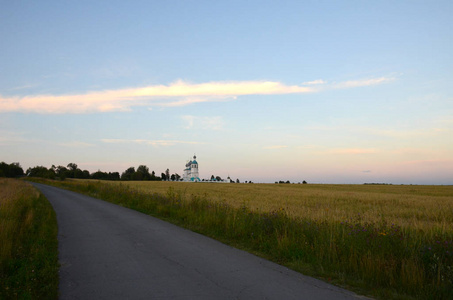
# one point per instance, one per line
(179, 93)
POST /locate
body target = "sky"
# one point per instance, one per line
(322, 91)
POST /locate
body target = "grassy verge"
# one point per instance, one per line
(29, 246)
(377, 258)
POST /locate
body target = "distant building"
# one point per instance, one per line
(191, 171)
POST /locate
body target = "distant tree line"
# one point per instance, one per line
(142, 173)
(73, 171)
(288, 182)
(12, 170)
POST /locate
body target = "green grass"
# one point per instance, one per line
(29, 246)
(370, 256)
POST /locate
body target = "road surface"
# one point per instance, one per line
(110, 252)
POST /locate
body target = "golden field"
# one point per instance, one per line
(425, 208)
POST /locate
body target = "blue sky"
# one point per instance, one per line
(322, 91)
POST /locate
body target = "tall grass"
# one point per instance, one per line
(425, 208)
(28, 243)
(373, 254)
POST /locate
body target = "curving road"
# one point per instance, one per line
(110, 252)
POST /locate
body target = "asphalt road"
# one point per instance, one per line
(110, 252)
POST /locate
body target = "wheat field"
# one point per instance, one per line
(424, 208)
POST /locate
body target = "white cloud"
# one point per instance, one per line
(409, 134)
(207, 123)
(314, 82)
(148, 142)
(8, 138)
(76, 144)
(362, 82)
(179, 93)
(275, 147)
(352, 151)
(176, 94)
(430, 162)
(23, 87)
(189, 120)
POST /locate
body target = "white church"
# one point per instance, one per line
(191, 171)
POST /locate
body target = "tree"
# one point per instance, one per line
(86, 174)
(72, 170)
(128, 174)
(61, 172)
(40, 171)
(304, 182)
(15, 170)
(143, 173)
(173, 177)
(12, 170)
(237, 180)
(78, 173)
(99, 175)
(106, 176)
(4, 169)
(167, 174)
(163, 176)
(114, 176)
(177, 176)
(72, 166)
